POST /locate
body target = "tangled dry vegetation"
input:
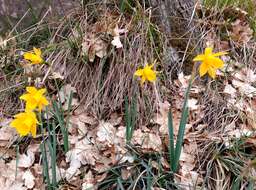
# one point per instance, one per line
(91, 55)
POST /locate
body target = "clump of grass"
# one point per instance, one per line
(146, 172)
(227, 166)
(109, 79)
(247, 5)
(130, 117)
(50, 145)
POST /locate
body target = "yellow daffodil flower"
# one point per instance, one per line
(210, 62)
(34, 98)
(34, 58)
(25, 123)
(147, 73)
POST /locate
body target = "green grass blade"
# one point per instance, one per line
(236, 184)
(171, 140)
(120, 185)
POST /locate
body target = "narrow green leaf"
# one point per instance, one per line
(17, 160)
(44, 155)
(127, 119)
(61, 122)
(236, 184)
(120, 185)
(251, 184)
(54, 156)
(133, 115)
(180, 139)
(171, 140)
(45, 164)
(53, 163)
(183, 121)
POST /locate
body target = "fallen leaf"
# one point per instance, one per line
(117, 42)
(192, 104)
(29, 179)
(106, 132)
(241, 32)
(246, 75)
(7, 134)
(116, 35)
(230, 90)
(244, 88)
(26, 160)
(125, 173)
(64, 95)
(93, 46)
(56, 75)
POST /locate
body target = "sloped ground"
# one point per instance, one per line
(91, 57)
(12, 11)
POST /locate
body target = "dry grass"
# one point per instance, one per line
(104, 83)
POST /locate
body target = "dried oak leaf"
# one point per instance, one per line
(241, 32)
(148, 141)
(162, 119)
(116, 32)
(106, 132)
(7, 136)
(64, 96)
(26, 160)
(29, 179)
(93, 46)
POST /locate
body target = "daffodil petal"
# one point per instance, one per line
(37, 51)
(24, 97)
(30, 106)
(30, 56)
(31, 89)
(44, 101)
(27, 55)
(33, 131)
(151, 66)
(25, 123)
(42, 91)
(23, 131)
(216, 63)
(199, 58)
(139, 72)
(203, 68)
(219, 54)
(143, 79)
(208, 51)
(151, 76)
(19, 115)
(212, 72)
(34, 59)
(14, 123)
